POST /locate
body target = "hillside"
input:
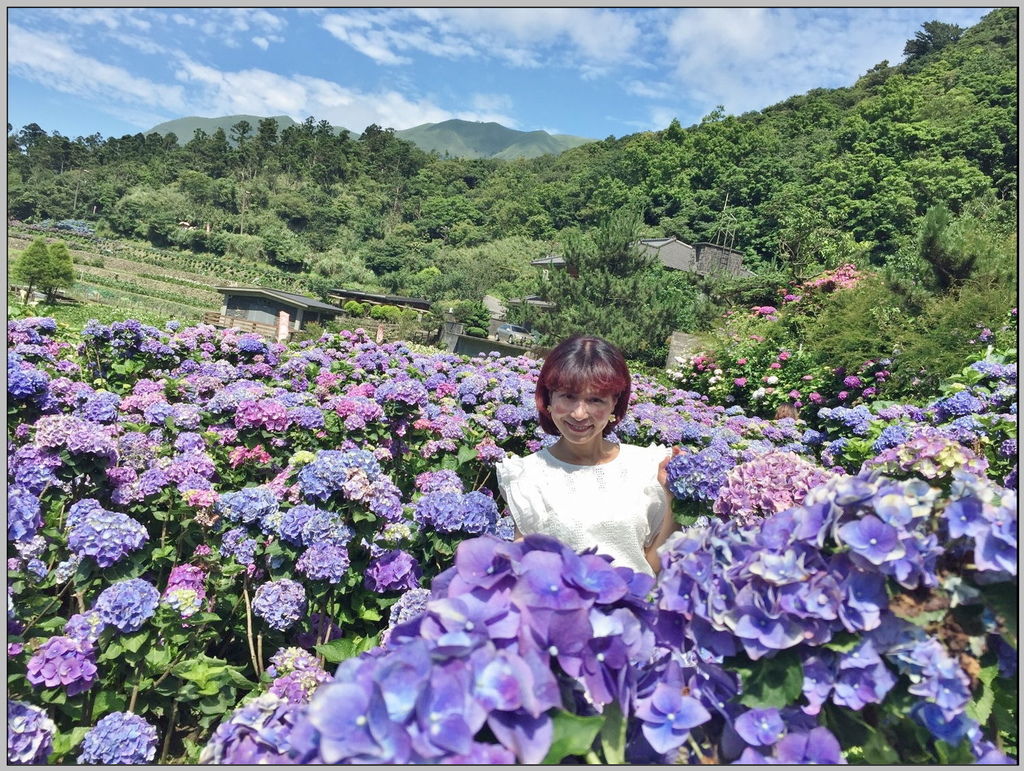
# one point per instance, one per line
(451, 138)
(185, 128)
(466, 139)
(824, 178)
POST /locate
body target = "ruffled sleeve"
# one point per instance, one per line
(511, 482)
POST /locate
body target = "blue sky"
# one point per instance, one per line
(591, 72)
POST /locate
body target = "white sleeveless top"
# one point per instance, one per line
(616, 506)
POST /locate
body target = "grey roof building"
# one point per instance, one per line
(259, 308)
(703, 258)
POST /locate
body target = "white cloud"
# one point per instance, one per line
(749, 58)
(259, 92)
(51, 62)
(649, 89)
(589, 39)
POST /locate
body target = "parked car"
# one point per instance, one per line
(516, 335)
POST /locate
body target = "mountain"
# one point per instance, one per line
(456, 138)
(467, 139)
(184, 128)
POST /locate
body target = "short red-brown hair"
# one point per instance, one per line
(580, 363)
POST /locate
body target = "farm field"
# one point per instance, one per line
(223, 550)
(126, 274)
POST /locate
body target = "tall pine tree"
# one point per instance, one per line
(609, 289)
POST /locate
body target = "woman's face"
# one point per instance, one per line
(581, 417)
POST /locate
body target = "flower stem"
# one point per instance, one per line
(134, 697)
(248, 626)
(170, 731)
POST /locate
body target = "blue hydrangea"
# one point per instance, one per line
(85, 626)
(250, 504)
(309, 418)
(280, 603)
(890, 437)
(293, 520)
(119, 738)
(328, 472)
(959, 404)
(237, 543)
(406, 391)
(23, 514)
(100, 407)
(29, 733)
(325, 527)
(697, 476)
(106, 536)
(127, 604)
(25, 382)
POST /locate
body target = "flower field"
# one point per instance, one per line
(227, 551)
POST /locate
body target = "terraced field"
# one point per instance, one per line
(128, 275)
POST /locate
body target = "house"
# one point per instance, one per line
(702, 258)
(259, 309)
(341, 296)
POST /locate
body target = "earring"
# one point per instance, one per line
(612, 419)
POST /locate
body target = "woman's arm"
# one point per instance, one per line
(668, 523)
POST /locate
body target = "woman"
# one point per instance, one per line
(585, 490)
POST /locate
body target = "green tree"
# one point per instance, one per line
(933, 36)
(47, 267)
(950, 266)
(608, 289)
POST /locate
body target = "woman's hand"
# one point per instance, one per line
(663, 467)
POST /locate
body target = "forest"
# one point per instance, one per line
(830, 177)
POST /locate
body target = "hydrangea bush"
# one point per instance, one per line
(202, 522)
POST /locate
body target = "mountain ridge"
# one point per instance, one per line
(455, 138)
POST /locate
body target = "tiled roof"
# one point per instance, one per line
(289, 298)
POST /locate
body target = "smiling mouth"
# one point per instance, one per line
(578, 429)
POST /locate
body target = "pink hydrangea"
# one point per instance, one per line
(766, 485)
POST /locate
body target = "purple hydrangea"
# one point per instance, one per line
(186, 589)
(30, 734)
(127, 604)
(959, 404)
(444, 480)
(324, 562)
(85, 627)
(280, 603)
(393, 570)
(257, 733)
(63, 661)
(298, 686)
(119, 738)
(766, 485)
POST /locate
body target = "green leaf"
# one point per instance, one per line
(134, 642)
(843, 642)
(1003, 599)
(954, 756)
(164, 553)
(773, 682)
(234, 676)
(370, 614)
(63, 743)
(466, 454)
(613, 734)
(345, 648)
(878, 750)
(980, 708)
(109, 700)
(572, 735)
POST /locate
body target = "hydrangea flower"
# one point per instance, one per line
(324, 562)
(24, 517)
(127, 604)
(767, 484)
(106, 536)
(698, 476)
(186, 589)
(63, 661)
(85, 627)
(119, 738)
(280, 603)
(393, 570)
(250, 504)
(30, 734)
(257, 733)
